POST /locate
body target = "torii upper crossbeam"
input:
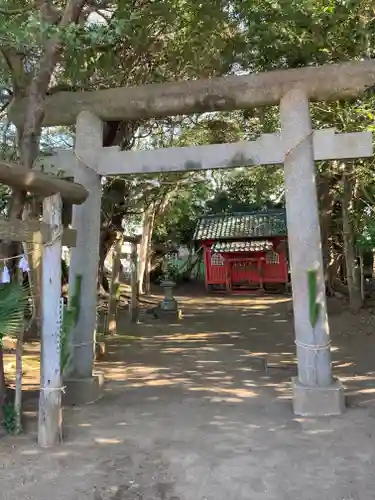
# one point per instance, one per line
(319, 83)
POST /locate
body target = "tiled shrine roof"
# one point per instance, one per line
(241, 226)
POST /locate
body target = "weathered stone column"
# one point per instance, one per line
(81, 384)
(314, 391)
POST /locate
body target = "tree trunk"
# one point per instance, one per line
(352, 268)
(154, 209)
(326, 206)
(114, 286)
(133, 304)
(144, 251)
(34, 253)
(333, 271)
(362, 276)
(147, 282)
(329, 181)
(107, 239)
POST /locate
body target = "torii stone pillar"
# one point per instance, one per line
(315, 392)
(82, 386)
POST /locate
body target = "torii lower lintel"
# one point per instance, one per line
(266, 150)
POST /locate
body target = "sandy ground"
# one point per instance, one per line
(189, 413)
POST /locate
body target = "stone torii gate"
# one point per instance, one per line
(315, 392)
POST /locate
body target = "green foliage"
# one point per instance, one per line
(366, 239)
(13, 302)
(172, 272)
(153, 43)
(293, 33)
(244, 190)
(177, 224)
(9, 418)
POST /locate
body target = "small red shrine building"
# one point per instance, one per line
(244, 251)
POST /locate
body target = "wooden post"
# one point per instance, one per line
(18, 388)
(50, 415)
(133, 305)
(114, 287)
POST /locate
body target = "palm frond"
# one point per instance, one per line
(13, 302)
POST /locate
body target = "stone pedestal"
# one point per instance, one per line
(315, 392)
(80, 391)
(318, 401)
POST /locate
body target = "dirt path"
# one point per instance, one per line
(190, 414)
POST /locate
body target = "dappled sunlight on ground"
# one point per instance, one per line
(201, 409)
(264, 350)
(259, 342)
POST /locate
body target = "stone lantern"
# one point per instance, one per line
(169, 303)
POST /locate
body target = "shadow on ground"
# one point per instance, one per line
(191, 412)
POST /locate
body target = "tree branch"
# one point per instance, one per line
(14, 61)
(40, 83)
(14, 12)
(48, 11)
(4, 107)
